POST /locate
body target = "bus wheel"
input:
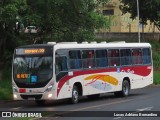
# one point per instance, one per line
(40, 102)
(75, 95)
(125, 88)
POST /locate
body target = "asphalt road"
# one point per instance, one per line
(145, 100)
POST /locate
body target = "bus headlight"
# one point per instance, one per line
(15, 96)
(50, 95)
(49, 88)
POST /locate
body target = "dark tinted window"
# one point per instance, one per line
(125, 56)
(29, 71)
(101, 58)
(146, 56)
(61, 64)
(136, 56)
(114, 59)
(88, 58)
(75, 59)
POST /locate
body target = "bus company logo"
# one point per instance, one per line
(6, 114)
(104, 78)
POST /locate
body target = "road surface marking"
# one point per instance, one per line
(90, 107)
(145, 109)
(117, 118)
(16, 108)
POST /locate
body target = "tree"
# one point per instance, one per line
(61, 20)
(67, 20)
(149, 10)
(10, 10)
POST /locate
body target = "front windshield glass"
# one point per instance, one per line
(34, 71)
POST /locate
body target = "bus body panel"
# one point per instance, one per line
(65, 85)
(103, 82)
(93, 80)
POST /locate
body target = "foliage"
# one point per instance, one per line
(6, 84)
(6, 90)
(148, 9)
(58, 20)
(10, 12)
(156, 77)
(67, 20)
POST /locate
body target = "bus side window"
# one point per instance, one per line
(136, 56)
(75, 59)
(101, 58)
(125, 56)
(61, 64)
(146, 56)
(114, 58)
(88, 58)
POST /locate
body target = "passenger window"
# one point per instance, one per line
(101, 58)
(61, 64)
(75, 59)
(88, 58)
(125, 56)
(136, 56)
(114, 59)
(146, 56)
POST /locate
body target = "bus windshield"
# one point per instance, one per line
(32, 71)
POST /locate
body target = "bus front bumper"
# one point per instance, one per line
(34, 96)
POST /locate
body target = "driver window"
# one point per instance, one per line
(61, 64)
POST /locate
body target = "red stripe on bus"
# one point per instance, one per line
(138, 70)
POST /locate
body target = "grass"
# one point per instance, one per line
(6, 85)
(156, 77)
(5, 90)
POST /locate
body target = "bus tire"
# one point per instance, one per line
(125, 90)
(75, 95)
(40, 102)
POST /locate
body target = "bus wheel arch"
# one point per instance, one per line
(76, 92)
(126, 86)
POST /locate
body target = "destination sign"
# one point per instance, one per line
(34, 51)
(23, 76)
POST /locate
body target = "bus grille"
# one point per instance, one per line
(31, 96)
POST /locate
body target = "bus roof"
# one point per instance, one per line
(64, 45)
(100, 45)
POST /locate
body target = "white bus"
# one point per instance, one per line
(69, 70)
